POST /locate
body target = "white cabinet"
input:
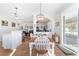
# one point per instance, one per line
(16, 38)
(12, 39)
(6, 41)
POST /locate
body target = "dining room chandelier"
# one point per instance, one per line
(15, 13)
(40, 16)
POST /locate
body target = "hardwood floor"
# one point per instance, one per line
(58, 52)
(4, 52)
(23, 50)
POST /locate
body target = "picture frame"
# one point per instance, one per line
(4, 23)
(13, 24)
(57, 23)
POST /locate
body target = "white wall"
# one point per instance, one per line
(69, 13)
(10, 28)
(29, 24)
(0, 37)
(58, 29)
(52, 22)
(3, 29)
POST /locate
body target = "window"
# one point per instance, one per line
(71, 33)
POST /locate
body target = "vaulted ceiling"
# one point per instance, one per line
(27, 10)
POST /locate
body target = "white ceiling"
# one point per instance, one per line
(25, 11)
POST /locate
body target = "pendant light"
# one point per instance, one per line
(40, 16)
(15, 14)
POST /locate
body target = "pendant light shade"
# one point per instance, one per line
(40, 16)
(15, 14)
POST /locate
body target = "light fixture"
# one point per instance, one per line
(15, 14)
(40, 16)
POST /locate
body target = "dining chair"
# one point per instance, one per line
(42, 46)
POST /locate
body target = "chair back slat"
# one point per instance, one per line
(41, 43)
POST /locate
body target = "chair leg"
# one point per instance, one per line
(30, 49)
(37, 54)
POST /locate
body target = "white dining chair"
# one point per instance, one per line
(42, 46)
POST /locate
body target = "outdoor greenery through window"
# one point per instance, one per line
(71, 33)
